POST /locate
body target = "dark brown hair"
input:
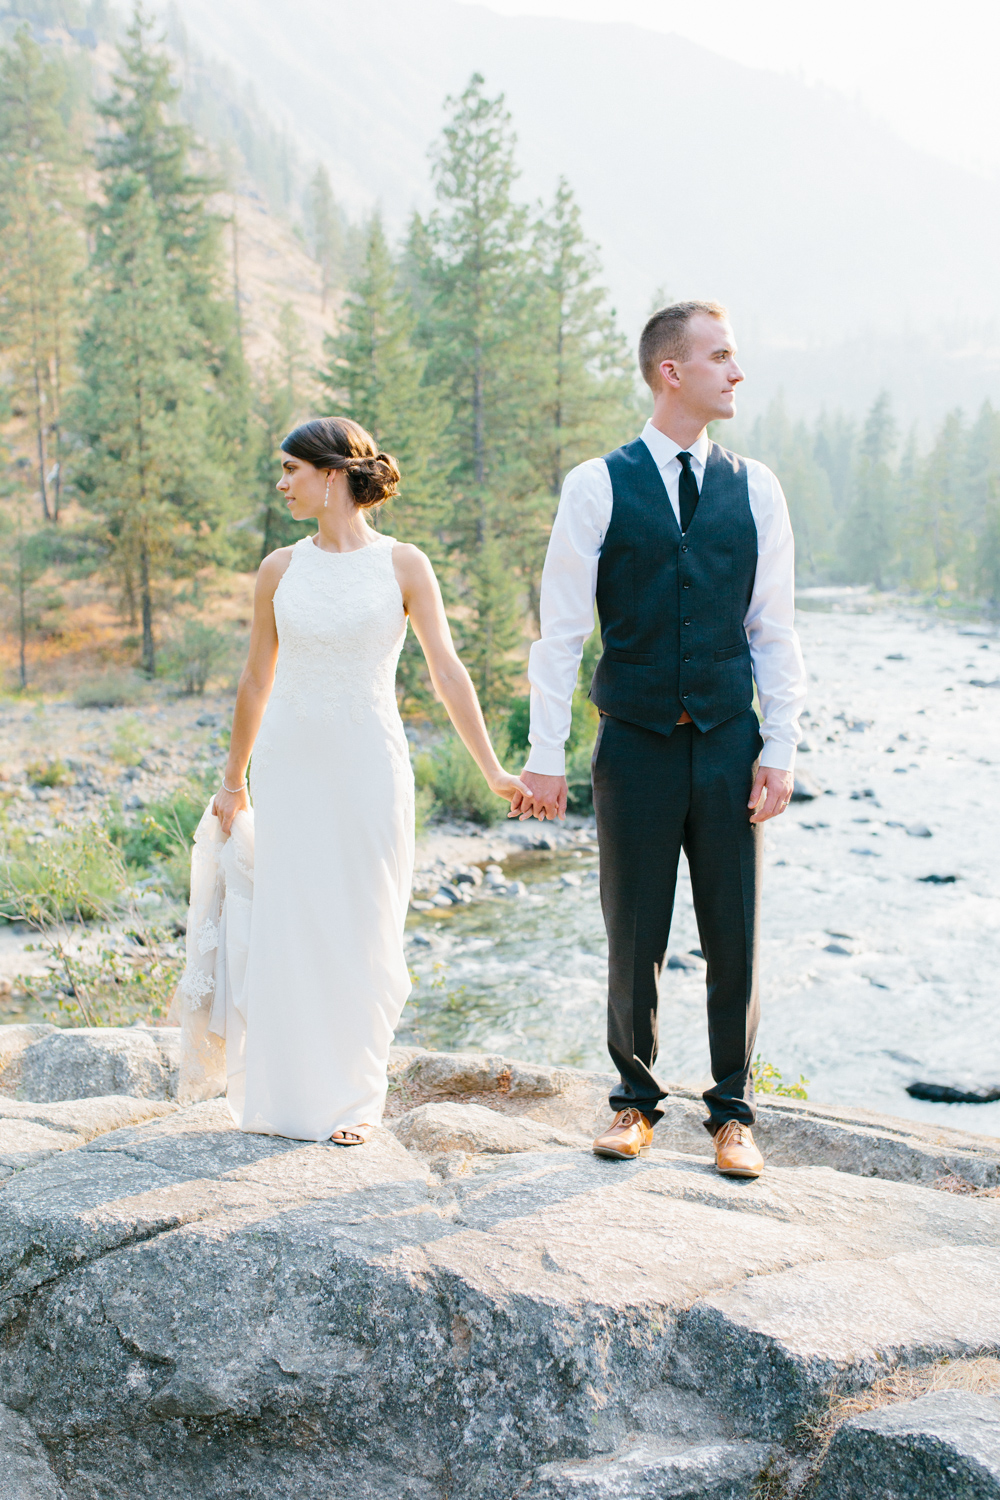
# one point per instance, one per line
(665, 336)
(339, 443)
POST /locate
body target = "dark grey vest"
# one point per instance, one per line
(672, 606)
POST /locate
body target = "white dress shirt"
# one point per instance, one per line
(569, 588)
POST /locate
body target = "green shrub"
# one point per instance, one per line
(159, 829)
(191, 656)
(131, 741)
(767, 1080)
(49, 773)
(423, 811)
(581, 792)
(518, 724)
(77, 876)
(160, 838)
(112, 689)
(121, 984)
(456, 782)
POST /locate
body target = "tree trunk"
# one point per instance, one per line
(40, 434)
(148, 648)
(22, 614)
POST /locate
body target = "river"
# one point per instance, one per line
(872, 976)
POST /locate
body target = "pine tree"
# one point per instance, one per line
(584, 389)
(327, 232)
(143, 138)
(495, 628)
(141, 409)
(980, 530)
(938, 508)
(867, 539)
(588, 402)
(41, 251)
(789, 449)
(475, 296)
(475, 325)
(375, 374)
(280, 393)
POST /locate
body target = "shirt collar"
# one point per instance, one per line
(664, 448)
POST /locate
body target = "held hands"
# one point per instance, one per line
(771, 793)
(226, 805)
(511, 788)
(539, 797)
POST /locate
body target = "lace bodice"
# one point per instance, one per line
(341, 626)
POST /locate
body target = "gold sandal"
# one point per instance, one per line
(360, 1137)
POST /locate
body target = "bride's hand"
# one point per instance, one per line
(226, 805)
(509, 787)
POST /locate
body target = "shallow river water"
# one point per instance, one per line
(871, 975)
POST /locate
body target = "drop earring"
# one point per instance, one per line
(326, 496)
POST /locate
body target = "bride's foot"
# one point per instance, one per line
(357, 1135)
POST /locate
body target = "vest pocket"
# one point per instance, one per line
(730, 652)
(630, 658)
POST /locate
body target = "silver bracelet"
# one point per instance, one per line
(233, 789)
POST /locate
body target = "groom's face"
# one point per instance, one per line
(707, 379)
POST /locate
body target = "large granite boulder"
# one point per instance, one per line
(192, 1311)
(94, 1061)
(472, 1305)
(944, 1446)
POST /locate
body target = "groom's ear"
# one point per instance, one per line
(668, 373)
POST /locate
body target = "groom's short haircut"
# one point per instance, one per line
(666, 336)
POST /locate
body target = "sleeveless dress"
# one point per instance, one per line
(306, 979)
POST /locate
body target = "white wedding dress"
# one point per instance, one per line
(296, 976)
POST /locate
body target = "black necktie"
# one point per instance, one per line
(688, 493)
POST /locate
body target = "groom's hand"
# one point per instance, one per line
(547, 800)
(771, 793)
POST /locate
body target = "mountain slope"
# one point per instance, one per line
(695, 174)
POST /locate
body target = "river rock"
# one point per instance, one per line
(433, 1128)
(97, 1060)
(944, 1446)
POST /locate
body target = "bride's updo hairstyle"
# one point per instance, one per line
(339, 443)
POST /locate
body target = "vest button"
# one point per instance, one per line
(685, 585)
(687, 658)
(684, 549)
(687, 621)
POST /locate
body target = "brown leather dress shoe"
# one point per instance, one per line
(630, 1136)
(735, 1153)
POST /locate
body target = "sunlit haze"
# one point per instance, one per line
(928, 69)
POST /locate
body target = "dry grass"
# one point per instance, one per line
(953, 1184)
(980, 1375)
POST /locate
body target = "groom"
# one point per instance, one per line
(687, 551)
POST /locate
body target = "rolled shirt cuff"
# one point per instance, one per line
(779, 755)
(547, 762)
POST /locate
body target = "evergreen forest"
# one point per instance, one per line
(480, 348)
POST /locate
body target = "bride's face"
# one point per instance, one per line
(303, 486)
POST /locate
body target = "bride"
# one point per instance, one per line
(309, 1022)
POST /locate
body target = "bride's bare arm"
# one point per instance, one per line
(452, 683)
(254, 690)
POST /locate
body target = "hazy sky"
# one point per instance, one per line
(929, 67)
